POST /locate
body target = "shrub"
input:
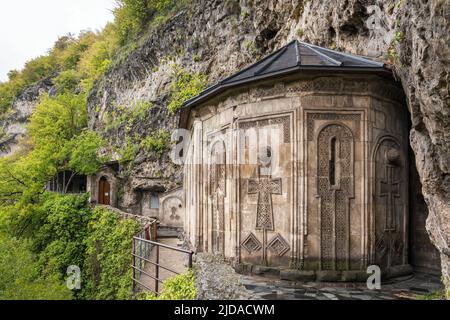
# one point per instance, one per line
(19, 279)
(156, 142)
(184, 87)
(67, 80)
(181, 287)
(108, 260)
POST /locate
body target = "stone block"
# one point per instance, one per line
(243, 268)
(354, 276)
(399, 271)
(297, 275)
(328, 276)
(267, 271)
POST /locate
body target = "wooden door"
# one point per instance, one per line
(104, 192)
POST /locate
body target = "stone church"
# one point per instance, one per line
(301, 162)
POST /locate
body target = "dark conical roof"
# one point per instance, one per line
(296, 56)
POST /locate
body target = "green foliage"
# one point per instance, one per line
(65, 232)
(126, 117)
(57, 120)
(19, 279)
(84, 153)
(438, 295)
(157, 142)
(185, 86)
(67, 80)
(108, 257)
(181, 287)
(128, 152)
(134, 16)
(63, 228)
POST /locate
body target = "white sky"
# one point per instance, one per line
(28, 28)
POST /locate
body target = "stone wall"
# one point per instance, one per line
(215, 279)
(224, 182)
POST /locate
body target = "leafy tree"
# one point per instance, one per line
(67, 80)
(19, 279)
(108, 258)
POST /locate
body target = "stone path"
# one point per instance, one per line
(177, 261)
(407, 288)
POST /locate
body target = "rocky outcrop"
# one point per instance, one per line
(13, 125)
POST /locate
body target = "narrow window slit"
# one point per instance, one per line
(332, 162)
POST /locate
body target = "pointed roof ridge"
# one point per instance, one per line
(257, 63)
(335, 62)
(350, 55)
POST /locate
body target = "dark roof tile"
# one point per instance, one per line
(294, 57)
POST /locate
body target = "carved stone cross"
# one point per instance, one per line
(390, 189)
(264, 187)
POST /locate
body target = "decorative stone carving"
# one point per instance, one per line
(274, 91)
(251, 244)
(278, 245)
(334, 185)
(172, 207)
(390, 203)
(390, 189)
(321, 84)
(264, 187)
(332, 117)
(217, 193)
(285, 121)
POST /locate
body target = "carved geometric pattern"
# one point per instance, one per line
(351, 85)
(275, 90)
(334, 85)
(285, 121)
(264, 187)
(251, 243)
(332, 117)
(334, 195)
(390, 190)
(278, 245)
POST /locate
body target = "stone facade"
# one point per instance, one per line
(326, 190)
(147, 198)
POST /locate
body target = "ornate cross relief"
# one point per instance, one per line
(389, 243)
(390, 188)
(334, 187)
(265, 186)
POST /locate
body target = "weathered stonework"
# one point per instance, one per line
(337, 197)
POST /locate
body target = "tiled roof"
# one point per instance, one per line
(296, 56)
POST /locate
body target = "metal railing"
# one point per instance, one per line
(142, 249)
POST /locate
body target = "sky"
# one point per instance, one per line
(29, 28)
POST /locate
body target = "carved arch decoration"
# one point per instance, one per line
(390, 203)
(335, 188)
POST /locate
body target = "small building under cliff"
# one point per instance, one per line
(302, 161)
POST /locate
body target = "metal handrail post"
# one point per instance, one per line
(134, 265)
(157, 269)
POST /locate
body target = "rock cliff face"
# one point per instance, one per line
(13, 126)
(218, 38)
